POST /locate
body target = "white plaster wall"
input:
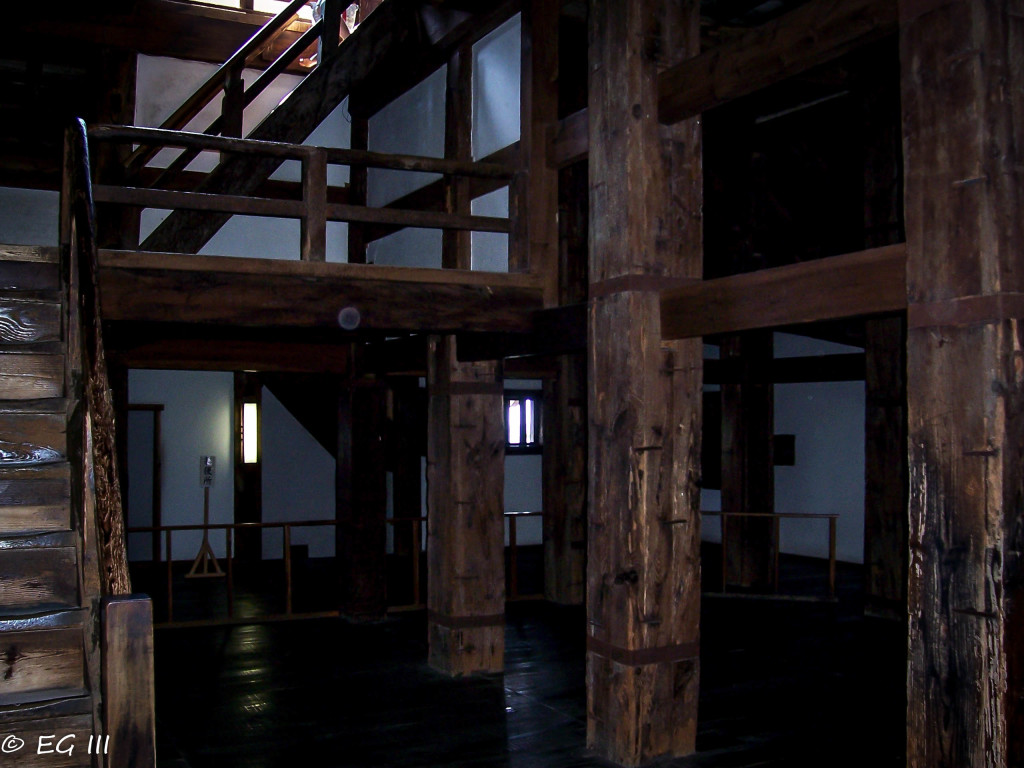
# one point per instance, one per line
(140, 483)
(298, 482)
(828, 476)
(196, 422)
(29, 216)
(496, 68)
(413, 124)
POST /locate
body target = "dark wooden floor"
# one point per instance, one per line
(783, 684)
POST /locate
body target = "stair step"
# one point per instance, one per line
(28, 439)
(65, 712)
(35, 499)
(41, 279)
(40, 573)
(45, 254)
(28, 321)
(43, 658)
(30, 375)
(45, 405)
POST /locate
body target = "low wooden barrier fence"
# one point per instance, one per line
(416, 554)
(776, 520)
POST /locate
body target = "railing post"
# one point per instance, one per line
(331, 30)
(513, 562)
(128, 693)
(231, 572)
(314, 196)
(288, 569)
(233, 105)
(777, 545)
(832, 558)
(170, 578)
(417, 534)
(725, 542)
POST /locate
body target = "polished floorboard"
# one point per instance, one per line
(783, 683)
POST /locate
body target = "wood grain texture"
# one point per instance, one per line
(251, 300)
(885, 466)
(35, 499)
(31, 730)
(40, 661)
(564, 479)
(960, 61)
(748, 472)
(34, 253)
(29, 376)
(28, 322)
(129, 695)
(465, 502)
(31, 438)
(40, 575)
(643, 564)
(863, 283)
(361, 499)
(382, 48)
(813, 34)
(37, 275)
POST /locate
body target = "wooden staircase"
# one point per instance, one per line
(49, 590)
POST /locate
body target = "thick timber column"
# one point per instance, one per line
(643, 568)
(465, 505)
(360, 497)
(748, 471)
(963, 122)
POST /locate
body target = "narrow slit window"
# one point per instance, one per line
(523, 421)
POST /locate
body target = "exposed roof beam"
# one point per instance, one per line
(863, 283)
(812, 34)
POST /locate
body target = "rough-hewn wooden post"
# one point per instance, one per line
(361, 499)
(465, 503)
(885, 467)
(961, 72)
(565, 412)
(643, 569)
(748, 472)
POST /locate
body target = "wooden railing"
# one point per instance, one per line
(776, 520)
(512, 575)
(416, 526)
(119, 644)
(92, 421)
(230, 537)
(313, 210)
(228, 78)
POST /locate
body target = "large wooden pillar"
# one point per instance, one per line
(748, 471)
(360, 496)
(643, 569)
(885, 467)
(565, 412)
(465, 506)
(962, 79)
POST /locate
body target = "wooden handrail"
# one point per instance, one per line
(335, 155)
(89, 383)
(206, 92)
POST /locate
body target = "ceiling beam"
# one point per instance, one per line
(814, 33)
(855, 284)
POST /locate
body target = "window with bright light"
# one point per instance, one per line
(523, 421)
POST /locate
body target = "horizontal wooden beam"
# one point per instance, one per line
(205, 354)
(863, 283)
(793, 370)
(431, 196)
(813, 34)
(568, 139)
(241, 292)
